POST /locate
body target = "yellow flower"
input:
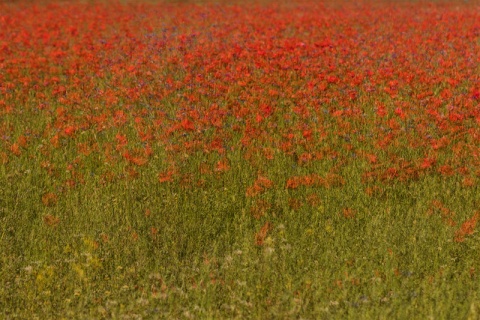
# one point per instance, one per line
(79, 271)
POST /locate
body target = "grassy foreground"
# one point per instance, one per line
(141, 251)
(157, 163)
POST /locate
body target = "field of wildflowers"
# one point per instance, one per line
(282, 160)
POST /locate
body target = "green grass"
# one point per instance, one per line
(393, 260)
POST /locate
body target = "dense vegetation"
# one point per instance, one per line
(274, 161)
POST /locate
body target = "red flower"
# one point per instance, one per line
(187, 125)
(467, 228)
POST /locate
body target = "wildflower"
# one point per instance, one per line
(349, 213)
(50, 220)
(15, 149)
(467, 228)
(187, 125)
(259, 208)
(259, 186)
(427, 163)
(49, 199)
(262, 233)
(468, 182)
(69, 131)
(222, 166)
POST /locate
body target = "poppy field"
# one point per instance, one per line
(274, 160)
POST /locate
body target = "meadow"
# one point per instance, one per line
(281, 160)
